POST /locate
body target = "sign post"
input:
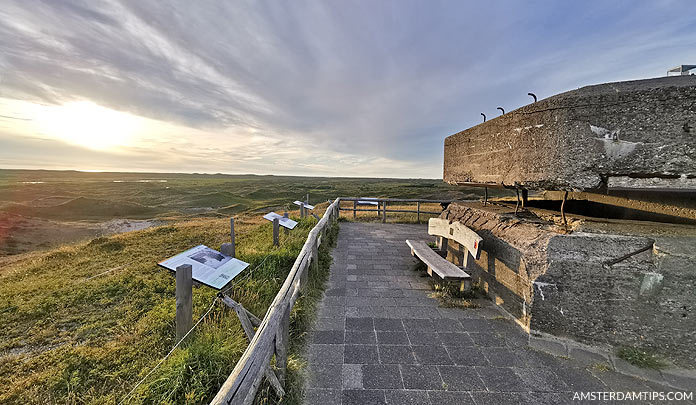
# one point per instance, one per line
(285, 215)
(184, 300)
(276, 231)
(232, 236)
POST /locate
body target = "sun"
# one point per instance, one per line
(89, 125)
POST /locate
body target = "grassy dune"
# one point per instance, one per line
(40, 209)
(82, 324)
(69, 195)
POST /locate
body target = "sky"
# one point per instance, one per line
(327, 88)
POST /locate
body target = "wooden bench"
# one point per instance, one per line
(437, 264)
(469, 241)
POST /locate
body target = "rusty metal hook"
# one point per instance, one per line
(484, 117)
(565, 221)
(517, 206)
(501, 109)
(533, 95)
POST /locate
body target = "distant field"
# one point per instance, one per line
(41, 209)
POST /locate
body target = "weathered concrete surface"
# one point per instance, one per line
(380, 339)
(656, 206)
(597, 285)
(628, 134)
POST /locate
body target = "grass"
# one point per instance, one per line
(83, 323)
(449, 294)
(639, 357)
(304, 313)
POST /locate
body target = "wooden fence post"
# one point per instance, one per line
(184, 301)
(355, 205)
(285, 215)
(228, 249)
(281, 345)
(384, 212)
(276, 229)
(232, 230)
(418, 210)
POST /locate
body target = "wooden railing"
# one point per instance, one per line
(271, 336)
(382, 206)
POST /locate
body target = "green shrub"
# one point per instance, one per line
(643, 358)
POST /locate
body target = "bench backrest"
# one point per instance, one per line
(458, 232)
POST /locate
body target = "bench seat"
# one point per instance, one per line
(445, 269)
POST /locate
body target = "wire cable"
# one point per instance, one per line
(212, 305)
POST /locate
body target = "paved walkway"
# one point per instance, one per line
(379, 338)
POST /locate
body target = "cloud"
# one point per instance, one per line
(328, 88)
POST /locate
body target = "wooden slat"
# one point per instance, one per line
(249, 330)
(457, 232)
(390, 210)
(467, 238)
(438, 227)
(397, 200)
(435, 262)
(234, 304)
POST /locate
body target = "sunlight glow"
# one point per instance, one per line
(90, 125)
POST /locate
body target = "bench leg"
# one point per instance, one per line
(430, 271)
(465, 285)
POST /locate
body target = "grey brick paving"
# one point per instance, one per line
(380, 339)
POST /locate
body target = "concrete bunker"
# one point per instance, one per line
(621, 160)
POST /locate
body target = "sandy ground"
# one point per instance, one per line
(19, 234)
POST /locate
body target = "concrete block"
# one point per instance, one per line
(410, 397)
(587, 356)
(680, 378)
(396, 354)
(421, 377)
(382, 376)
(624, 367)
(585, 139)
(548, 345)
(352, 376)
